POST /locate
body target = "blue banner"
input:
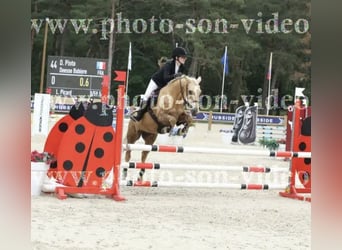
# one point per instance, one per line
(229, 118)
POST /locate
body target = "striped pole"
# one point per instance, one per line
(271, 133)
(152, 165)
(204, 185)
(181, 149)
(282, 128)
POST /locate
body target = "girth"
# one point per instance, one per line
(155, 119)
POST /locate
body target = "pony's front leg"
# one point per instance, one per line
(167, 118)
(172, 121)
(185, 118)
(187, 121)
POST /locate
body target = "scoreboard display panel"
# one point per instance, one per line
(75, 76)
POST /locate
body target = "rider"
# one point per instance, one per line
(170, 70)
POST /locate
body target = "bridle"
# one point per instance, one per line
(184, 97)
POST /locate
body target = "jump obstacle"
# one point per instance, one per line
(202, 185)
(271, 132)
(181, 149)
(86, 169)
(300, 154)
(165, 166)
(299, 138)
(253, 169)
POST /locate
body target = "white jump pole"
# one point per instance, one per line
(170, 166)
(181, 149)
(204, 185)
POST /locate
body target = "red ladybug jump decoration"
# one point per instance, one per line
(85, 154)
(57, 132)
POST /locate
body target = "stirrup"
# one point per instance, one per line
(133, 118)
(138, 117)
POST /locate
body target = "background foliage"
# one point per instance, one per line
(248, 53)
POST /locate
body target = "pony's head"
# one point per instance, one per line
(193, 92)
(183, 91)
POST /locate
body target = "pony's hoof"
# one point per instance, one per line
(165, 130)
(181, 131)
(124, 173)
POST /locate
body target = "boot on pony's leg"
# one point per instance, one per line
(137, 115)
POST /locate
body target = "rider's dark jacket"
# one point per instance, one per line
(166, 73)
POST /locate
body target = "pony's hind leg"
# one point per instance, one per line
(131, 137)
(149, 140)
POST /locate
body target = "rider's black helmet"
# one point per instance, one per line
(178, 52)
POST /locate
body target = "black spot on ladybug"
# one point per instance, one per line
(307, 161)
(100, 172)
(53, 164)
(63, 127)
(67, 165)
(79, 129)
(302, 146)
(79, 147)
(99, 152)
(108, 137)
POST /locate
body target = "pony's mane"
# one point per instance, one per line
(189, 78)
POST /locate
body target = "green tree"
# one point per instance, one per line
(208, 26)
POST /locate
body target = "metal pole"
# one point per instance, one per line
(110, 46)
(43, 57)
(223, 73)
(129, 66)
(269, 84)
(127, 76)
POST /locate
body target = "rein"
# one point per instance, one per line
(182, 92)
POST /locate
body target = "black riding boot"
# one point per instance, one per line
(137, 115)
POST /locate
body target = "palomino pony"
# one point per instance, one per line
(174, 102)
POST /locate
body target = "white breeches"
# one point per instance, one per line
(152, 86)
